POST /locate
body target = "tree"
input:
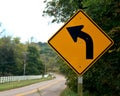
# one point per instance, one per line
(7, 61)
(62, 10)
(48, 57)
(34, 65)
(105, 13)
(19, 50)
(11, 56)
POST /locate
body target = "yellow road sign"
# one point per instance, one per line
(80, 42)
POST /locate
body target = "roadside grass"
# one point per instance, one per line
(17, 84)
(68, 92)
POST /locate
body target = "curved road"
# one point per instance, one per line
(47, 88)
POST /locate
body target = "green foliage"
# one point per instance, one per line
(19, 50)
(12, 57)
(49, 58)
(34, 58)
(62, 10)
(105, 13)
(7, 55)
(34, 64)
(68, 92)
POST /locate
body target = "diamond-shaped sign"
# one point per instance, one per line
(80, 42)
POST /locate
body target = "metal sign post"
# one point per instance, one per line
(80, 86)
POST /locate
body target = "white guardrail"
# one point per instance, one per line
(6, 79)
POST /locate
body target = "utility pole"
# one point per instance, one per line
(24, 54)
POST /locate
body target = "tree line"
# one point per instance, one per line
(17, 58)
(30, 58)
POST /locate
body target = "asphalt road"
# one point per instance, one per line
(47, 88)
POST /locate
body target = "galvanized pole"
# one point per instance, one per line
(80, 85)
(24, 63)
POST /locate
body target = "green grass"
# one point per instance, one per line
(68, 92)
(17, 84)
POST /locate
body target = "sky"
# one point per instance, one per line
(23, 18)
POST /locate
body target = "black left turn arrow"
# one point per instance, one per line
(75, 32)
